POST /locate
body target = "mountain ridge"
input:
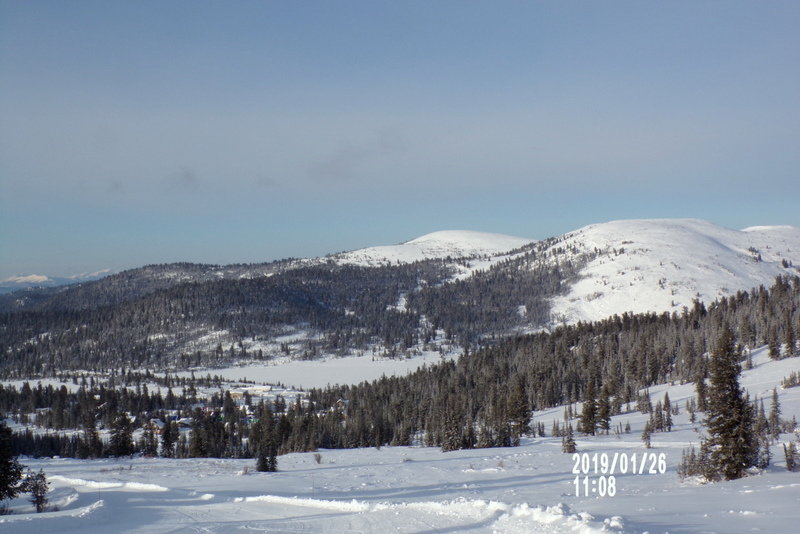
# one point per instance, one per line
(664, 264)
(177, 315)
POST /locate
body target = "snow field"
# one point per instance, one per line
(421, 490)
(442, 244)
(667, 263)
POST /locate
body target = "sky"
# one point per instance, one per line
(221, 132)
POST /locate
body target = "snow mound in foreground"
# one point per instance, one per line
(507, 518)
(130, 486)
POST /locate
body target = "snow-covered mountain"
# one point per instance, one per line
(15, 283)
(436, 245)
(647, 265)
(664, 264)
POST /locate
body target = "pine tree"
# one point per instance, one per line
(519, 412)
(90, 445)
(667, 413)
(10, 468)
(773, 344)
(266, 437)
(774, 419)
(197, 439)
(149, 444)
(729, 416)
(589, 411)
(37, 485)
(646, 435)
(556, 430)
(702, 392)
(761, 425)
(764, 456)
(169, 437)
(451, 439)
(790, 452)
(121, 442)
(657, 418)
(262, 464)
(643, 403)
(604, 410)
(789, 337)
(568, 444)
(267, 458)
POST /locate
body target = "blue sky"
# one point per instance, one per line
(149, 132)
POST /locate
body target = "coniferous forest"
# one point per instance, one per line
(155, 317)
(484, 399)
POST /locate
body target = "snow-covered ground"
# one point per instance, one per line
(664, 264)
(525, 489)
(326, 371)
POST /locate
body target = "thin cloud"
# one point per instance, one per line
(345, 163)
(183, 181)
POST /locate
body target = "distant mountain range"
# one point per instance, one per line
(440, 292)
(15, 283)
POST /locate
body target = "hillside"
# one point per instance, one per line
(437, 294)
(413, 488)
(437, 245)
(657, 265)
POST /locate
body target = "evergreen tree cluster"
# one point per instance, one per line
(484, 399)
(153, 317)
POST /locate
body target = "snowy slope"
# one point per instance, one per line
(516, 490)
(437, 245)
(664, 264)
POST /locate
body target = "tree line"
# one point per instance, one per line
(484, 399)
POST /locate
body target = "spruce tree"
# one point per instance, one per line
(764, 456)
(657, 418)
(37, 485)
(774, 345)
(775, 415)
(451, 439)
(121, 442)
(568, 444)
(89, 445)
(149, 444)
(646, 435)
(519, 412)
(604, 410)
(198, 447)
(10, 468)
(790, 340)
(589, 411)
(790, 453)
(729, 416)
(702, 392)
(169, 436)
